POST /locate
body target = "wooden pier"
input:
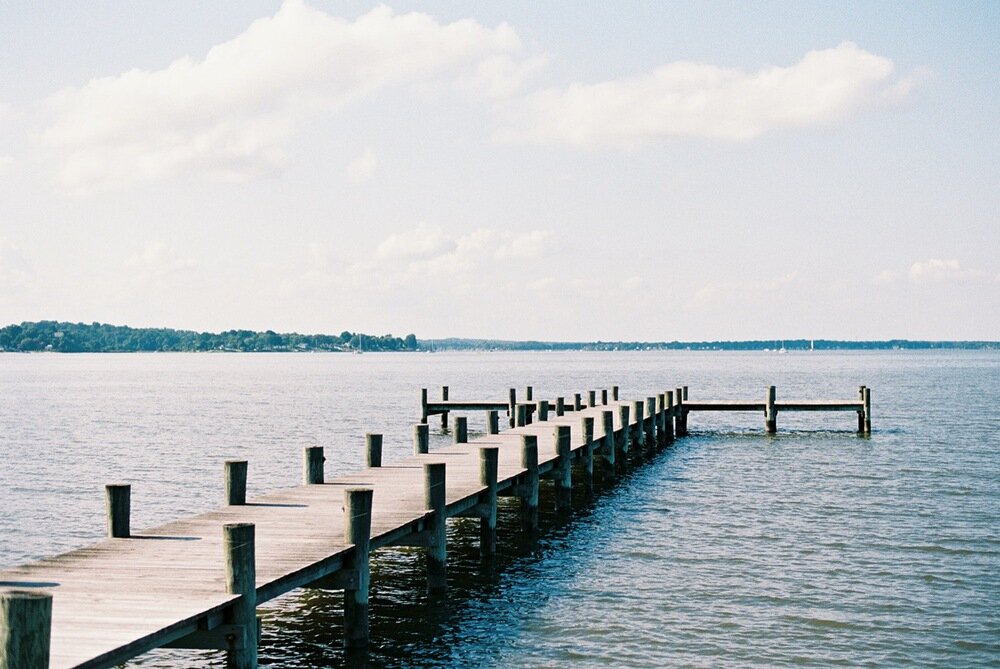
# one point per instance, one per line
(196, 582)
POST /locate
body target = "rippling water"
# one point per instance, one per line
(811, 548)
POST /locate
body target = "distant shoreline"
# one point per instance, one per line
(64, 337)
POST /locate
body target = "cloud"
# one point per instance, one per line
(363, 167)
(886, 277)
(424, 241)
(741, 291)
(227, 115)
(525, 246)
(157, 260)
(687, 99)
(15, 270)
(936, 271)
(6, 161)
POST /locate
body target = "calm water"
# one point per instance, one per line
(813, 548)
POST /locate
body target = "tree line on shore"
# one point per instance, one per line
(103, 338)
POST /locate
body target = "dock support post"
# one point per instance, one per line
(604, 397)
(680, 417)
(522, 415)
(608, 445)
(235, 473)
(638, 433)
(622, 456)
(437, 550)
(488, 463)
(591, 398)
(444, 414)
(543, 410)
(577, 402)
(651, 420)
(512, 411)
(461, 435)
(423, 405)
(868, 410)
(312, 465)
(529, 394)
(118, 497)
(25, 629)
(668, 423)
(861, 411)
(560, 406)
(588, 455)
(563, 472)
(529, 489)
(238, 543)
(421, 438)
(357, 531)
(614, 393)
(492, 422)
(770, 415)
(373, 449)
(661, 420)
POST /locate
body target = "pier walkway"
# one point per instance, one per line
(196, 582)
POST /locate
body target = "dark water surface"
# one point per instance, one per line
(811, 548)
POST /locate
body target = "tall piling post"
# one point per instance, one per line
(770, 415)
(238, 546)
(614, 393)
(652, 417)
(661, 420)
(423, 405)
(437, 549)
(312, 465)
(492, 422)
(512, 402)
(235, 476)
(591, 398)
(621, 458)
(608, 447)
(560, 406)
(522, 415)
(861, 411)
(25, 629)
(542, 410)
(529, 487)
(461, 433)
(118, 503)
(638, 433)
(604, 397)
(577, 402)
(680, 417)
(488, 465)
(357, 531)
(444, 414)
(529, 394)
(668, 423)
(421, 438)
(588, 454)
(562, 475)
(373, 449)
(868, 410)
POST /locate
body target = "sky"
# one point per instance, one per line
(517, 170)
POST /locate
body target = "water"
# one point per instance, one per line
(812, 548)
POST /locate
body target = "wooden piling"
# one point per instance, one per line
(577, 402)
(522, 415)
(357, 531)
(668, 424)
(529, 487)
(437, 548)
(25, 629)
(861, 411)
(651, 419)
(235, 474)
(608, 445)
(312, 466)
(529, 394)
(680, 418)
(238, 545)
(638, 433)
(562, 474)
(492, 422)
(868, 410)
(614, 393)
(560, 406)
(421, 438)
(118, 499)
(661, 420)
(461, 433)
(604, 397)
(488, 467)
(373, 449)
(423, 405)
(512, 411)
(621, 458)
(444, 414)
(543, 410)
(588, 453)
(591, 398)
(770, 415)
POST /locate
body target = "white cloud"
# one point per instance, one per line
(363, 167)
(936, 270)
(686, 99)
(6, 161)
(228, 114)
(15, 270)
(424, 241)
(525, 246)
(157, 260)
(886, 277)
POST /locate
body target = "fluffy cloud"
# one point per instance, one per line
(700, 100)
(363, 167)
(227, 115)
(936, 270)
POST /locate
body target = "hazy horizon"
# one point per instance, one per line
(635, 171)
